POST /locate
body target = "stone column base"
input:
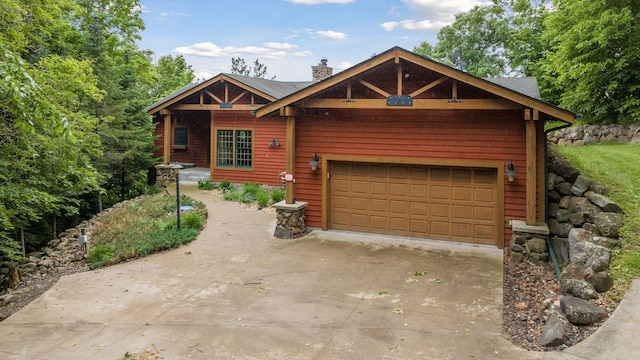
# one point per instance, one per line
(290, 219)
(529, 240)
(166, 174)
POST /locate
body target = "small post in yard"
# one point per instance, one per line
(178, 195)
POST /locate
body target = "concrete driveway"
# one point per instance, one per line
(239, 293)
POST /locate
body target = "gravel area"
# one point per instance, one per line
(529, 289)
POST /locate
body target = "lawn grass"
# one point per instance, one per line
(144, 227)
(618, 166)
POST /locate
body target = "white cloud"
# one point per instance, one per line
(344, 65)
(305, 53)
(285, 46)
(435, 14)
(330, 34)
(316, 2)
(171, 14)
(210, 49)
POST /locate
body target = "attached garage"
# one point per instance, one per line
(447, 203)
(406, 146)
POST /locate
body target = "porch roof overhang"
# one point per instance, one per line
(267, 89)
(512, 93)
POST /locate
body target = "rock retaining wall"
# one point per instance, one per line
(595, 134)
(59, 255)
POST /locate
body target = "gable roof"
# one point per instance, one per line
(522, 91)
(269, 89)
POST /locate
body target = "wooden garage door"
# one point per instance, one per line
(447, 203)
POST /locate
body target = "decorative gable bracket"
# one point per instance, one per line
(399, 100)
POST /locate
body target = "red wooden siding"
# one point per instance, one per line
(268, 162)
(158, 138)
(460, 135)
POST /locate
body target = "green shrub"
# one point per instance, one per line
(277, 195)
(225, 185)
(100, 255)
(206, 185)
(152, 189)
(263, 199)
(191, 220)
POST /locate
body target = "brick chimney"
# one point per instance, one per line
(322, 71)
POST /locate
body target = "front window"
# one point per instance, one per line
(234, 148)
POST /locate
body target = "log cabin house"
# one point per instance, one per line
(398, 144)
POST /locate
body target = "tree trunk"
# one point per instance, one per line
(13, 276)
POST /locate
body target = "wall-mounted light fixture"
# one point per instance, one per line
(274, 143)
(315, 160)
(511, 171)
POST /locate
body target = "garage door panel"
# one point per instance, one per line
(418, 190)
(359, 203)
(484, 213)
(439, 210)
(398, 189)
(360, 186)
(440, 228)
(398, 207)
(378, 222)
(440, 192)
(462, 193)
(378, 205)
(419, 208)
(484, 195)
(378, 188)
(398, 224)
(461, 212)
(445, 203)
(462, 230)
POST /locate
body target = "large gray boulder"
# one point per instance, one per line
(607, 242)
(590, 255)
(559, 229)
(584, 213)
(580, 186)
(581, 312)
(601, 281)
(578, 288)
(608, 224)
(554, 332)
(603, 202)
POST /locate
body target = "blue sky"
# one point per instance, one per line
(290, 36)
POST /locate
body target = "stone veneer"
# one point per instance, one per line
(290, 219)
(166, 174)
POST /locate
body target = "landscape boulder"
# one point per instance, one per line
(580, 311)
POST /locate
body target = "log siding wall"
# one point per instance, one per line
(453, 135)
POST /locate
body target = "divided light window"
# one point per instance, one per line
(234, 148)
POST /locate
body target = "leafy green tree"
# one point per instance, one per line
(478, 35)
(595, 58)
(170, 74)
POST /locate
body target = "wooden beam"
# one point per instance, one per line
(531, 191)
(540, 157)
(291, 158)
(431, 104)
(429, 86)
(374, 88)
(226, 92)
(454, 89)
(213, 96)
(399, 80)
(214, 107)
(212, 146)
(166, 149)
(238, 97)
(348, 90)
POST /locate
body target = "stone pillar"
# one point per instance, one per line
(290, 219)
(166, 174)
(529, 240)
